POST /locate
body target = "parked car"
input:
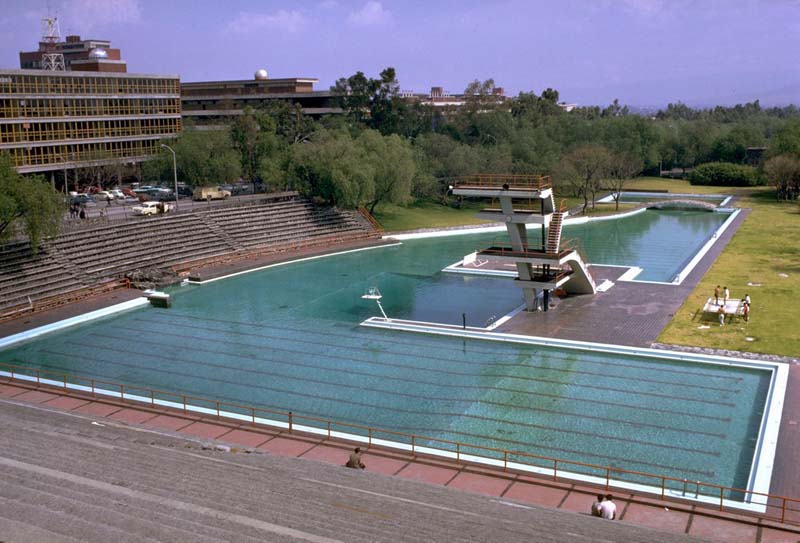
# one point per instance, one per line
(210, 193)
(82, 199)
(117, 194)
(104, 196)
(151, 208)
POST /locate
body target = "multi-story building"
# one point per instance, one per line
(79, 55)
(54, 120)
(210, 103)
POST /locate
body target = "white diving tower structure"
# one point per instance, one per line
(545, 266)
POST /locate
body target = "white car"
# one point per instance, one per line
(117, 194)
(104, 195)
(151, 208)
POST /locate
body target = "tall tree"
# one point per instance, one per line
(371, 102)
(28, 202)
(584, 169)
(254, 135)
(394, 168)
(783, 173)
(621, 168)
(204, 158)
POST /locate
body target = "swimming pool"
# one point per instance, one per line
(637, 197)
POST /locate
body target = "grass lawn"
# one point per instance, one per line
(764, 251)
(395, 218)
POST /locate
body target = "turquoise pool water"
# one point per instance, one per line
(660, 242)
(288, 338)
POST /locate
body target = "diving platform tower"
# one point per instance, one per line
(543, 266)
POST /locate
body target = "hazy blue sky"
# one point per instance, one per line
(644, 52)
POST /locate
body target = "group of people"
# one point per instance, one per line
(725, 295)
(77, 211)
(605, 507)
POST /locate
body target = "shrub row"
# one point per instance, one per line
(725, 174)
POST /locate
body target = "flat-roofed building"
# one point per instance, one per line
(54, 120)
(210, 103)
(79, 55)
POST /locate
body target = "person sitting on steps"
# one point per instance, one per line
(355, 459)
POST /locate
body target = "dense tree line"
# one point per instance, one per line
(387, 149)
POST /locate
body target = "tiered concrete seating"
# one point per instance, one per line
(158, 242)
(24, 275)
(279, 223)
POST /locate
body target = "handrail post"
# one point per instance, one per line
(608, 476)
(369, 434)
(505, 460)
(290, 422)
(663, 483)
(184, 403)
(65, 381)
(93, 394)
(413, 450)
(217, 409)
(696, 488)
(685, 482)
(555, 469)
(458, 452)
(721, 490)
(253, 414)
(783, 510)
(329, 429)
(121, 392)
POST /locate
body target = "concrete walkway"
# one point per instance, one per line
(21, 401)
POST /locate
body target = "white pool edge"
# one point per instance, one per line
(293, 261)
(73, 321)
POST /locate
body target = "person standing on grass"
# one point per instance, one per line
(608, 509)
(726, 294)
(721, 313)
(716, 295)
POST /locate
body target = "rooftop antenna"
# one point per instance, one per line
(52, 59)
(374, 294)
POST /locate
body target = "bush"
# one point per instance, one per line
(724, 174)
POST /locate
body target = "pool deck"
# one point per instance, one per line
(634, 511)
(630, 313)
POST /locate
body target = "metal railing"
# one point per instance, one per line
(371, 220)
(513, 181)
(781, 509)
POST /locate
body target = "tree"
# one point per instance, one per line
(30, 202)
(394, 168)
(204, 158)
(622, 167)
(371, 102)
(333, 168)
(783, 173)
(584, 169)
(254, 135)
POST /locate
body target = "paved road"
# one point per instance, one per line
(65, 478)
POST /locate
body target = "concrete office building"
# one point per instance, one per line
(216, 103)
(51, 121)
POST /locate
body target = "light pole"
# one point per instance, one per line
(174, 172)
